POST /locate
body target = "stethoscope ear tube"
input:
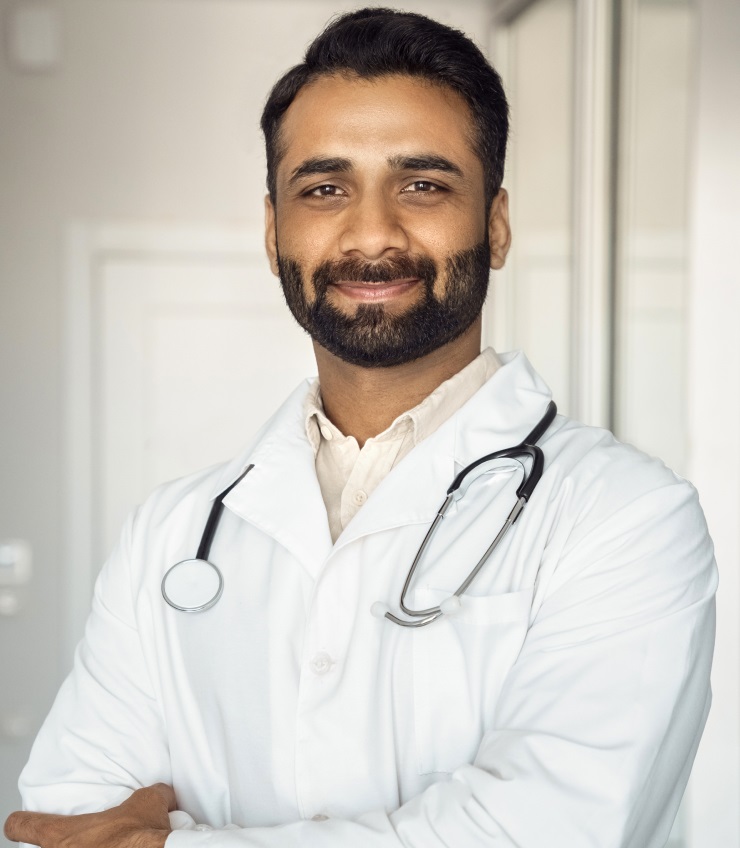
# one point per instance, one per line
(539, 431)
(206, 540)
(529, 448)
(535, 472)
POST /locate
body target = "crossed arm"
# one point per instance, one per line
(141, 821)
(638, 680)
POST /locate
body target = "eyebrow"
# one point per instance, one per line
(320, 165)
(334, 165)
(424, 162)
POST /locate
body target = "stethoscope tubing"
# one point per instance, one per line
(201, 558)
(528, 447)
(209, 532)
(416, 618)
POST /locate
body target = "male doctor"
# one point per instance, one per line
(557, 702)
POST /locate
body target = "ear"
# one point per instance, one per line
(271, 235)
(499, 231)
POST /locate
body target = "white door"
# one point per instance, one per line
(190, 349)
(194, 356)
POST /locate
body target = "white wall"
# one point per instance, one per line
(714, 402)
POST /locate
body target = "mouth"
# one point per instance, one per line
(374, 292)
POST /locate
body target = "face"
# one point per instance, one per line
(379, 232)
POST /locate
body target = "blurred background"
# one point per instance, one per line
(142, 334)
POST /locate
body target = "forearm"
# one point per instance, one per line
(142, 821)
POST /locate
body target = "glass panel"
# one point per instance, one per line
(650, 330)
(531, 301)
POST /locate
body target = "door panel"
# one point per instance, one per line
(193, 356)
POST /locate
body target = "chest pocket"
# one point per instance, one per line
(460, 663)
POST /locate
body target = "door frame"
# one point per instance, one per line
(592, 271)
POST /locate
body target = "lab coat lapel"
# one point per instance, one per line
(498, 416)
(281, 494)
(503, 412)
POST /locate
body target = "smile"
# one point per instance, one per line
(368, 291)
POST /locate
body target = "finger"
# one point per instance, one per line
(167, 794)
(33, 828)
(160, 794)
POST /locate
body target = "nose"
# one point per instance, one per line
(372, 228)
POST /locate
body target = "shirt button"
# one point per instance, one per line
(321, 663)
(359, 497)
(319, 817)
(327, 433)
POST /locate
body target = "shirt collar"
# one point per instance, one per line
(423, 419)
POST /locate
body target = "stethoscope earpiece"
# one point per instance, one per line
(379, 609)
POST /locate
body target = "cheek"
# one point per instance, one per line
(307, 241)
(445, 235)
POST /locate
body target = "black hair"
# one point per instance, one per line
(376, 42)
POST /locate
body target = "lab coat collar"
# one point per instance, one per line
(235, 467)
(498, 416)
(281, 494)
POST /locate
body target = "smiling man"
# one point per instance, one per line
(438, 614)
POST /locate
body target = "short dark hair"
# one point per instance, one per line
(376, 42)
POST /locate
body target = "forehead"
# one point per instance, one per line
(366, 119)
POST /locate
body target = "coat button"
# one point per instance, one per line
(319, 817)
(321, 663)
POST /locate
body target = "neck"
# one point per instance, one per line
(363, 402)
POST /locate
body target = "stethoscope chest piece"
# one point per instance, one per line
(192, 585)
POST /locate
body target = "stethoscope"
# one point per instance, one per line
(196, 585)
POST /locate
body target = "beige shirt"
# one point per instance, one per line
(348, 475)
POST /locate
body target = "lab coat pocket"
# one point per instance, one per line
(460, 664)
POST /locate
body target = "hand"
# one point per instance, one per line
(140, 822)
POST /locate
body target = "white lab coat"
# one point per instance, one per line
(562, 707)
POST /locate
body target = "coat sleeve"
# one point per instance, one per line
(597, 726)
(108, 696)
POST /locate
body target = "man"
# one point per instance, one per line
(558, 701)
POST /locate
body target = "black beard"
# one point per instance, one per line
(375, 338)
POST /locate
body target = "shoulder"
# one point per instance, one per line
(614, 474)
(629, 518)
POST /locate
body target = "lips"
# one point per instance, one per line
(372, 291)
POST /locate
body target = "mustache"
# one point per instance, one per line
(382, 271)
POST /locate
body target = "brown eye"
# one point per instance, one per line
(421, 186)
(325, 191)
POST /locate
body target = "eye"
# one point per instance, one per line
(325, 191)
(422, 186)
